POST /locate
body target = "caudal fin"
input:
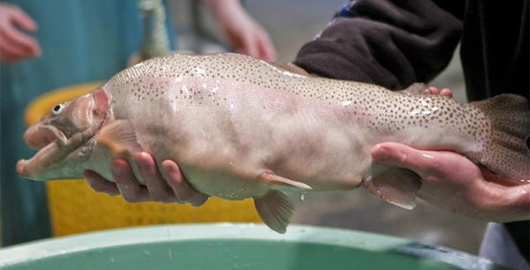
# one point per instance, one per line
(508, 153)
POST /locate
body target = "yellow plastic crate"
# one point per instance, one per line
(75, 207)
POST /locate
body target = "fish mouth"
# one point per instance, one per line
(31, 168)
(40, 136)
(54, 147)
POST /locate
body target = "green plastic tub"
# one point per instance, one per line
(234, 246)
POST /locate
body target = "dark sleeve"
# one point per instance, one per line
(519, 231)
(390, 43)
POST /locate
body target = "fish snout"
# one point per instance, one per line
(21, 168)
(38, 137)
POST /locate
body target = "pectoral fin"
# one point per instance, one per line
(120, 137)
(275, 209)
(284, 184)
(395, 185)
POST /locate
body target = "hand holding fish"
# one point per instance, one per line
(167, 185)
(444, 91)
(454, 183)
(244, 128)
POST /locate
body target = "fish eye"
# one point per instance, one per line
(58, 109)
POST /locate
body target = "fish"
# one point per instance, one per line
(242, 128)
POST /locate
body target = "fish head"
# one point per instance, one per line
(64, 138)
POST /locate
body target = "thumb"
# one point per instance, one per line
(402, 156)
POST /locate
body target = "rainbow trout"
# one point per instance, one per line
(239, 127)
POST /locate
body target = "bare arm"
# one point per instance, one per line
(245, 35)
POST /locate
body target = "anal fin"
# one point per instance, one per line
(275, 209)
(397, 186)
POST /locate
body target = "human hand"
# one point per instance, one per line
(444, 92)
(244, 34)
(14, 44)
(454, 183)
(167, 185)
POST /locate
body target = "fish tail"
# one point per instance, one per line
(508, 153)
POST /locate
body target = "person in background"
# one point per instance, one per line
(244, 34)
(397, 43)
(45, 45)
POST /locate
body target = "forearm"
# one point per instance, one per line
(222, 9)
(389, 43)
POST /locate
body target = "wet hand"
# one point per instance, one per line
(167, 185)
(454, 183)
(15, 45)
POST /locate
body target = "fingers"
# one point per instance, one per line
(398, 155)
(158, 189)
(184, 191)
(14, 44)
(248, 45)
(168, 186)
(23, 20)
(266, 48)
(434, 90)
(129, 187)
(100, 184)
(444, 92)
(257, 45)
(8, 57)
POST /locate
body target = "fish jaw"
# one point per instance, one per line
(64, 149)
(39, 136)
(57, 160)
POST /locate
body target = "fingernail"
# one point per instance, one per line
(384, 153)
(141, 158)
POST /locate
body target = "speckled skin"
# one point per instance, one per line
(227, 119)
